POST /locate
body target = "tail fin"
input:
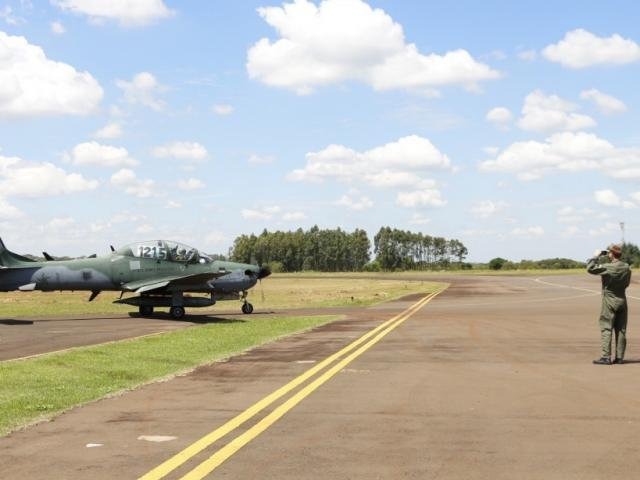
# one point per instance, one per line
(9, 259)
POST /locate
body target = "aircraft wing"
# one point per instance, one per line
(150, 284)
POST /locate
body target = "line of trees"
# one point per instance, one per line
(314, 249)
(403, 250)
(499, 263)
(340, 251)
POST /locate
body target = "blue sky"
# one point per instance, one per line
(510, 126)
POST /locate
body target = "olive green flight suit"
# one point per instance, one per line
(615, 278)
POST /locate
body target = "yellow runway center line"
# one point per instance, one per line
(183, 456)
(236, 444)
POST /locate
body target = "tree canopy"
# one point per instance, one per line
(315, 249)
(340, 251)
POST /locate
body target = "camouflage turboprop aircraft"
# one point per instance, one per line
(159, 271)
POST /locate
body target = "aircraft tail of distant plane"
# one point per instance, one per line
(9, 259)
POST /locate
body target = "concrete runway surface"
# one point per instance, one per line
(490, 379)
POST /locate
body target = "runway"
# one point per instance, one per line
(490, 379)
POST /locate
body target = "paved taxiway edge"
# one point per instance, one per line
(228, 450)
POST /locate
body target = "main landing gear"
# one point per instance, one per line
(176, 312)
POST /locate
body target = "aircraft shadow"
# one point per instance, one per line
(15, 322)
(199, 319)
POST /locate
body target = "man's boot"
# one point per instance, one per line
(602, 361)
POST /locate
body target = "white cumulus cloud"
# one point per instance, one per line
(420, 198)
(607, 104)
(143, 89)
(128, 13)
(109, 131)
(546, 113)
(127, 180)
(392, 165)
(57, 28)
(580, 49)
(189, 151)
(573, 215)
(499, 116)
(608, 229)
(94, 153)
(8, 211)
(347, 40)
(265, 213)
(26, 179)
(33, 85)
(566, 152)
(609, 198)
(487, 208)
(356, 204)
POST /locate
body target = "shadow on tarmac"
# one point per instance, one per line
(16, 322)
(631, 360)
(199, 319)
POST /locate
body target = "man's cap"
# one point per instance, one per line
(615, 249)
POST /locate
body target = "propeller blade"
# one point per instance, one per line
(264, 272)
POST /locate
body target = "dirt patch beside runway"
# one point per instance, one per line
(493, 379)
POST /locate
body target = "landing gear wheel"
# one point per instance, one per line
(146, 310)
(247, 308)
(176, 312)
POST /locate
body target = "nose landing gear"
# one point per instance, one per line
(247, 308)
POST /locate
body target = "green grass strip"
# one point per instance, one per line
(39, 388)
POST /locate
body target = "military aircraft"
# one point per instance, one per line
(159, 271)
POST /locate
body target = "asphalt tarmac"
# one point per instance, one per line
(490, 379)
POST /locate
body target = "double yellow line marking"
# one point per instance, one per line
(357, 348)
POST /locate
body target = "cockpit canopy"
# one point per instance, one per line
(164, 250)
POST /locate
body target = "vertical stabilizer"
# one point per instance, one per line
(3, 249)
(9, 259)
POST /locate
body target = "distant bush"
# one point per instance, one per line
(497, 263)
(276, 267)
(631, 254)
(372, 267)
(550, 264)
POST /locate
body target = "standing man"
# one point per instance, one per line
(615, 277)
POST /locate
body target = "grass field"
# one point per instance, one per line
(39, 388)
(274, 293)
